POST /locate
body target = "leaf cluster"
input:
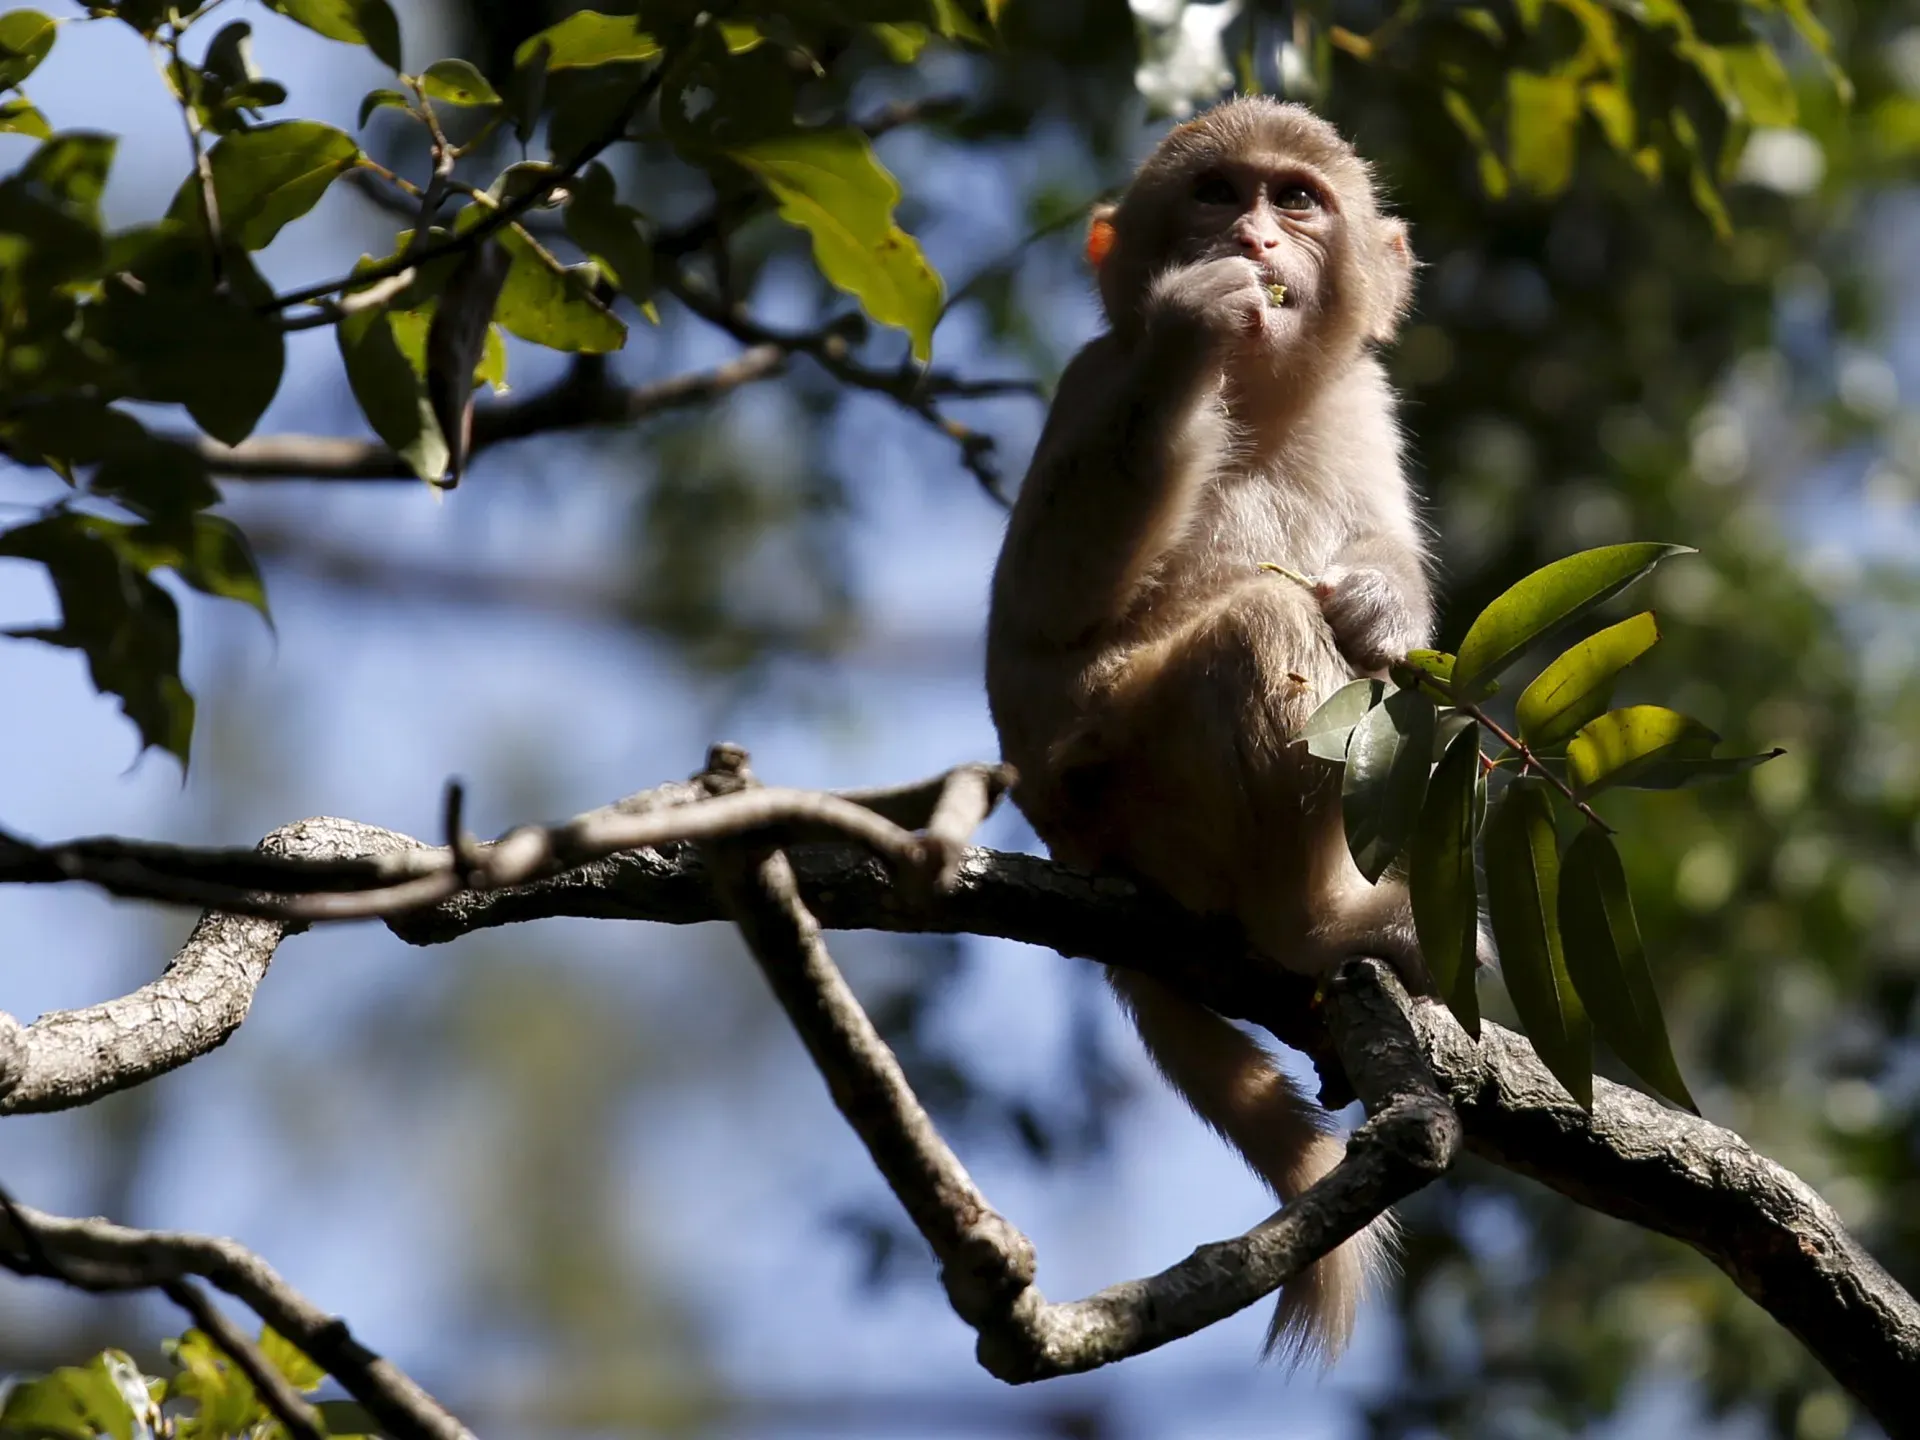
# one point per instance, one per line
(1415, 764)
(206, 1396)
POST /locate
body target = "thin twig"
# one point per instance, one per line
(202, 162)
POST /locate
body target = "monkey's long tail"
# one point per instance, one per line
(1283, 1134)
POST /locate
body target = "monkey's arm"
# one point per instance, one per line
(1377, 599)
(1135, 432)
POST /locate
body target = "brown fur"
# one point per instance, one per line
(1146, 676)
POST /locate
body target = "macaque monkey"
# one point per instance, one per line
(1147, 676)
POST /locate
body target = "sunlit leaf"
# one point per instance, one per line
(1440, 879)
(830, 184)
(1613, 748)
(1543, 128)
(1328, 728)
(20, 116)
(290, 1360)
(1543, 602)
(265, 177)
(391, 386)
(355, 22)
(1608, 963)
(26, 37)
(587, 38)
(75, 1402)
(457, 82)
(903, 43)
(1523, 883)
(1386, 779)
(225, 1400)
(1578, 686)
(1761, 82)
(555, 308)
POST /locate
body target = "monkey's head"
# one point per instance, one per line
(1273, 182)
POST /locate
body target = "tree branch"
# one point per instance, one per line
(583, 398)
(1631, 1158)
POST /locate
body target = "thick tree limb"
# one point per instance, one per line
(1663, 1169)
(96, 1255)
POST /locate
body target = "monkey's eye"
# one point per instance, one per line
(1215, 190)
(1293, 195)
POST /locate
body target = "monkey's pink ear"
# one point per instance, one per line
(1100, 235)
(1398, 273)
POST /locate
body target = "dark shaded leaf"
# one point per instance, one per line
(1672, 774)
(1543, 602)
(1386, 779)
(1608, 963)
(456, 345)
(378, 100)
(180, 339)
(113, 612)
(1578, 686)
(1523, 884)
(1440, 879)
(610, 232)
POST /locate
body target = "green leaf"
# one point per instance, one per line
(379, 100)
(1765, 90)
(610, 232)
(1543, 602)
(156, 479)
(1578, 686)
(1608, 964)
(1440, 879)
(1613, 748)
(1613, 111)
(1386, 779)
(391, 387)
(26, 36)
(587, 38)
(347, 1420)
(180, 339)
(1681, 770)
(265, 177)
(225, 1399)
(457, 82)
(1543, 126)
(113, 612)
(75, 1402)
(1523, 882)
(1328, 728)
(553, 307)
(354, 22)
(73, 166)
(290, 1360)
(830, 184)
(902, 42)
(20, 116)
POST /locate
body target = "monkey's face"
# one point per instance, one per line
(1272, 185)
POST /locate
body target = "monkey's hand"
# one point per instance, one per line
(1372, 622)
(1210, 304)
